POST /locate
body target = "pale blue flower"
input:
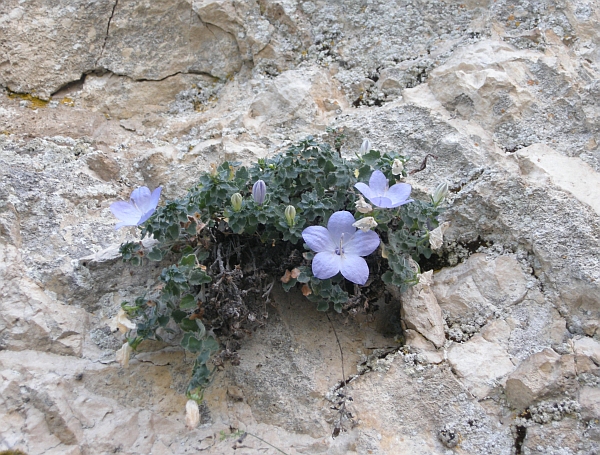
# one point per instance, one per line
(381, 195)
(259, 192)
(340, 248)
(140, 207)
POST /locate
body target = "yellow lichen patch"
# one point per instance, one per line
(67, 101)
(34, 102)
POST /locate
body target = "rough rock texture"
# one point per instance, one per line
(100, 96)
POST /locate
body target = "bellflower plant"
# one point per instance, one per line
(140, 207)
(381, 195)
(340, 248)
(226, 243)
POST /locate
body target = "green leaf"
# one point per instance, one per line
(323, 306)
(387, 277)
(198, 276)
(202, 255)
(189, 342)
(188, 302)
(188, 261)
(173, 231)
(178, 315)
(289, 285)
(189, 325)
(155, 254)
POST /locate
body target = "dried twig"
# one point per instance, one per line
(423, 164)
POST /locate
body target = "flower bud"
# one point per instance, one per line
(365, 224)
(362, 206)
(397, 167)
(236, 202)
(440, 193)
(290, 215)
(192, 414)
(259, 192)
(365, 147)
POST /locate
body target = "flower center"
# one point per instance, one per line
(340, 249)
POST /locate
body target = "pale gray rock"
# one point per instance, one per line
(471, 362)
(567, 436)
(153, 41)
(57, 43)
(421, 345)
(587, 347)
(589, 398)
(294, 98)
(539, 376)
(480, 285)
(421, 312)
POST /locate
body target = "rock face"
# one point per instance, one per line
(501, 352)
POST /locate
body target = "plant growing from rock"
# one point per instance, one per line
(241, 228)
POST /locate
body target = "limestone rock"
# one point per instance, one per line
(157, 40)
(471, 362)
(30, 319)
(541, 375)
(569, 174)
(121, 97)
(479, 284)
(485, 82)
(425, 348)
(421, 312)
(587, 347)
(589, 398)
(567, 435)
(294, 96)
(246, 24)
(38, 65)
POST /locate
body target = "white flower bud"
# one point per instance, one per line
(192, 414)
(290, 215)
(236, 202)
(362, 206)
(365, 224)
(397, 167)
(123, 355)
(440, 193)
(365, 147)
(436, 237)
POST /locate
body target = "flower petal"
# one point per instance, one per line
(326, 264)
(141, 197)
(399, 193)
(146, 216)
(378, 183)
(398, 204)
(341, 223)
(365, 190)
(155, 197)
(362, 244)
(317, 238)
(127, 213)
(355, 269)
(382, 202)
